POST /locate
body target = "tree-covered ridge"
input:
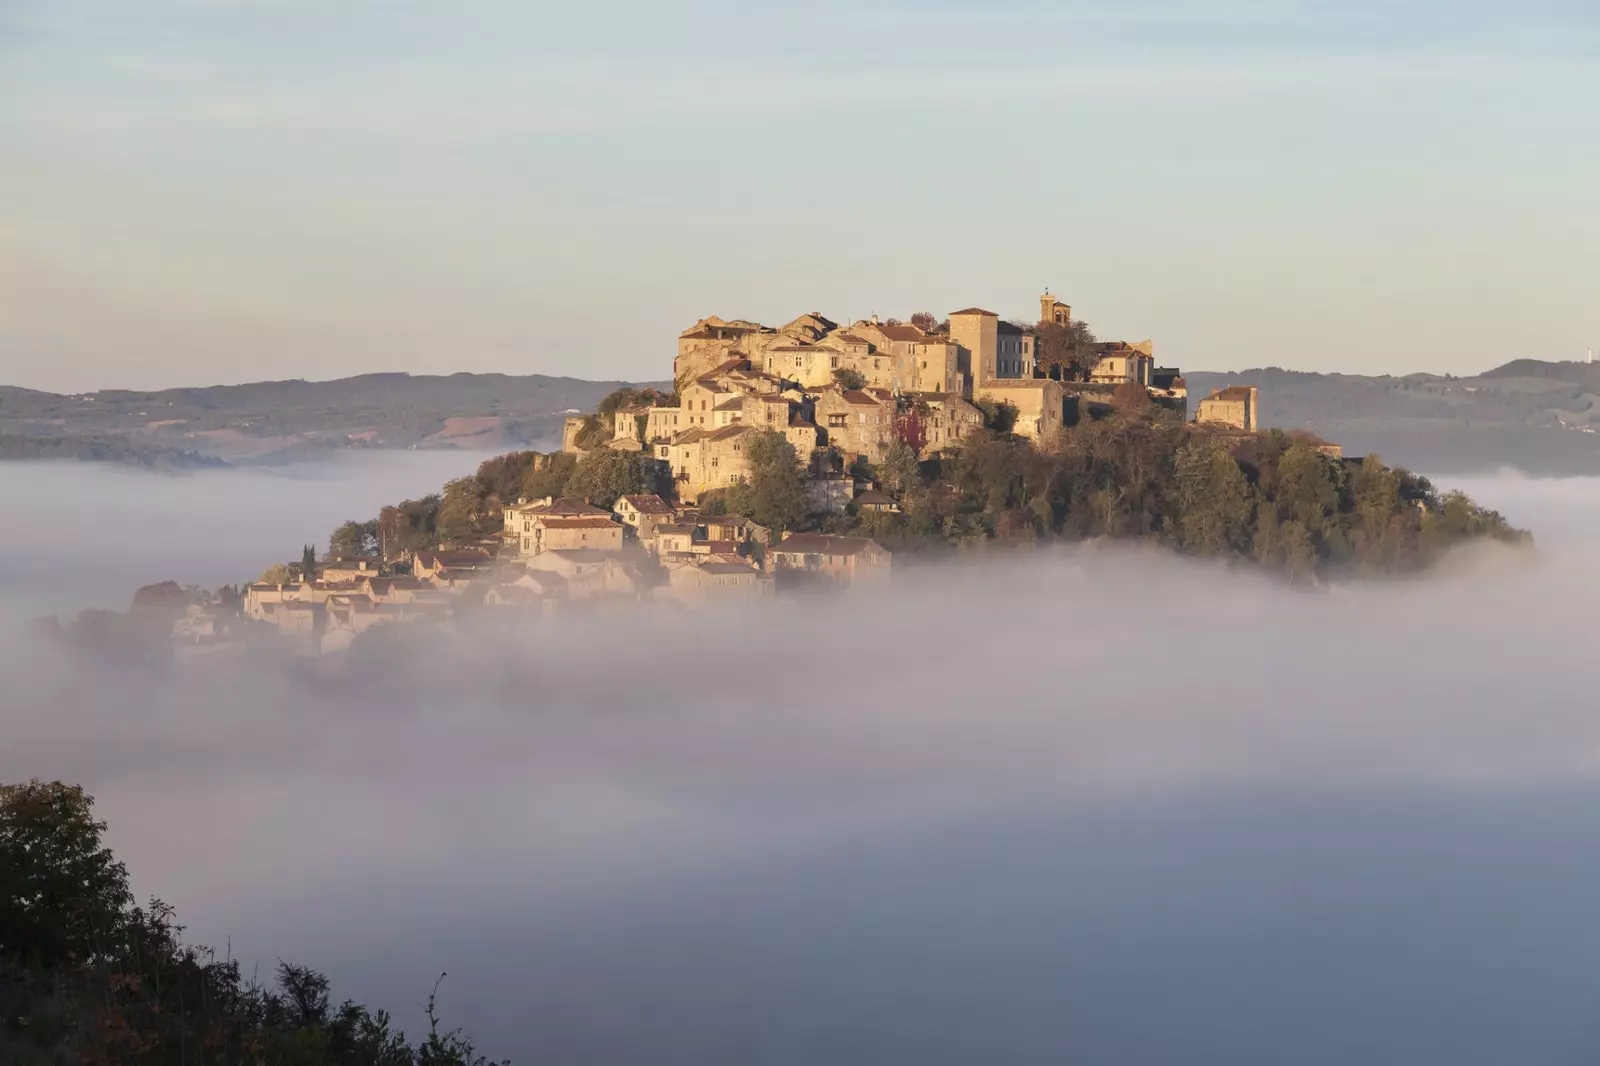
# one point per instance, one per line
(103, 449)
(1276, 500)
(87, 976)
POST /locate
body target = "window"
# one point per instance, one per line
(835, 362)
(798, 361)
(713, 460)
(838, 420)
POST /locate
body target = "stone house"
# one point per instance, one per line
(715, 580)
(1040, 405)
(831, 493)
(1237, 406)
(588, 573)
(643, 511)
(567, 532)
(1121, 362)
(427, 565)
(875, 502)
(947, 420)
(857, 421)
(849, 560)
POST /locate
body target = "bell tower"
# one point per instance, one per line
(1053, 310)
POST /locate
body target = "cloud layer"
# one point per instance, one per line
(1087, 803)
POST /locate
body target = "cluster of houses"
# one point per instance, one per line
(832, 391)
(849, 390)
(557, 555)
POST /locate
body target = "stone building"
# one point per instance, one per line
(1236, 406)
(1040, 405)
(857, 421)
(848, 560)
(994, 349)
(1053, 310)
(947, 420)
(1121, 362)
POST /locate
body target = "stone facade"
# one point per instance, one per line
(1237, 406)
(1040, 404)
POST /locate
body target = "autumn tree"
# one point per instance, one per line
(925, 321)
(912, 431)
(1065, 352)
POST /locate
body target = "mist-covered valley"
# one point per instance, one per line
(1099, 806)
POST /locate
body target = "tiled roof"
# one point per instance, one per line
(824, 544)
(577, 522)
(974, 311)
(649, 504)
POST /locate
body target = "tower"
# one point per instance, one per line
(977, 331)
(1053, 310)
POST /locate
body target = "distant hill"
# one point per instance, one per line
(1539, 417)
(274, 421)
(1535, 416)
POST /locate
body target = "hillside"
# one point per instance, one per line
(1535, 416)
(279, 420)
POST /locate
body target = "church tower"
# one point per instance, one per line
(1053, 310)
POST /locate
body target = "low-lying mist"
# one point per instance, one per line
(1098, 806)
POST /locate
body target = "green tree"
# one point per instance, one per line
(308, 563)
(464, 509)
(353, 539)
(88, 977)
(1215, 502)
(549, 477)
(62, 894)
(604, 474)
(774, 493)
(898, 471)
(847, 378)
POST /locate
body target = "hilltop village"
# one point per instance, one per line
(810, 455)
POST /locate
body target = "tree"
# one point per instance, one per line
(912, 431)
(409, 526)
(63, 895)
(1065, 352)
(308, 563)
(1131, 397)
(774, 494)
(464, 510)
(898, 471)
(925, 321)
(550, 477)
(1215, 502)
(86, 976)
(847, 378)
(276, 574)
(354, 539)
(606, 473)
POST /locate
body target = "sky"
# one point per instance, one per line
(203, 191)
(1056, 808)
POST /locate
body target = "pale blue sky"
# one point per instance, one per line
(201, 191)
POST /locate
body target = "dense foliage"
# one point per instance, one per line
(1273, 499)
(86, 976)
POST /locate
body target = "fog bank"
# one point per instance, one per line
(1100, 806)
